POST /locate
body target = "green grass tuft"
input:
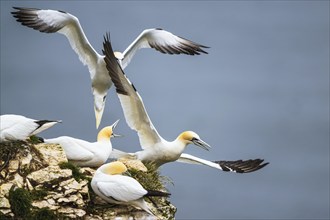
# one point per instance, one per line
(20, 202)
(21, 205)
(151, 180)
(38, 194)
(77, 175)
(44, 214)
(3, 216)
(35, 140)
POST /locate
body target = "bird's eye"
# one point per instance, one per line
(194, 139)
(104, 97)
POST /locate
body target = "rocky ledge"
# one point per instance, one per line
(38, 182)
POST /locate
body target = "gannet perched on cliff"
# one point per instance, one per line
(18, 127)
(84, 153)
(154, 148)
(51, 21)
(110, 185)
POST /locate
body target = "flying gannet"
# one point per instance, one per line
(18, 127)
(84, 153)
(155, 149)
(51, 21)
(110, 185)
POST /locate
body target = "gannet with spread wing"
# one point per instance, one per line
(52, 21)
(156, 149)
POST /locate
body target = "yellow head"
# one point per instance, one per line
(114, 168)
(107, 132)
(187, 136)
(190, 137)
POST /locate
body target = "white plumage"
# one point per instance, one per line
(154, 148)
(51, 21)
(18, 127)
(84, 153)
(110, 185)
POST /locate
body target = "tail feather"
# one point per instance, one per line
(152, 193)
(43, 125)
(157, 193)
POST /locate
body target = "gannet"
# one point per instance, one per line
(18, 127)
(84, 153)
(155, 149)
(51, 21)
(110, 185)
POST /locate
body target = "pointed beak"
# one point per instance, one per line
(113, 127)
(98, 116)
(200, 143)
(114, 124)
(99, 104)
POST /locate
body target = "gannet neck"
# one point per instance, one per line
(114, 168)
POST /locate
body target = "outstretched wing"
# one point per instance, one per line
(238, 166)
(163, 41)
(51, 21)
(131, 102)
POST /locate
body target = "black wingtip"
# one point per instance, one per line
(15, 12)
(106, 42)
(24, 9)
(242, 166)
(107, 48)
(263, 165)
(112, 65)
(17, 8)
(42, 122)
(196, 48)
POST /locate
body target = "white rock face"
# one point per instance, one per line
(48, 175)
(52, 154)
(37, 169)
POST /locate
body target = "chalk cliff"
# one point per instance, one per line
(37, 182)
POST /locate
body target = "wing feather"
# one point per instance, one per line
(51, 21)
(20, 127)
(74, 148)
(121, 188)
(162, 41)
(238, 166)
(135, 113)
(16, 127)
